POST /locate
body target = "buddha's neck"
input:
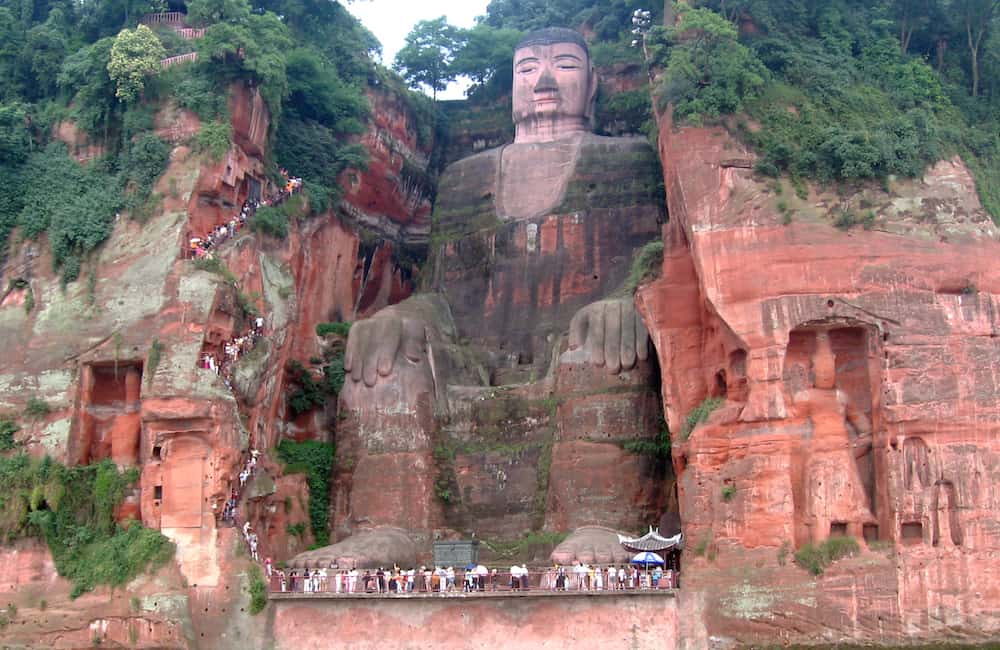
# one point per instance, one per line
(548, 129)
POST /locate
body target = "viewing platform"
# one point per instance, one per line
(472, 596)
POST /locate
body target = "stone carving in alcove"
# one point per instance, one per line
(833, 394)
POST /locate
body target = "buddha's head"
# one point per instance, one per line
(554, 85)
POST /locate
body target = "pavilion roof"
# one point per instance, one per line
(651, 541)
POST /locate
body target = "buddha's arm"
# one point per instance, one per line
(862, 444)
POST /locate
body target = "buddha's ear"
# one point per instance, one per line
(592, 96)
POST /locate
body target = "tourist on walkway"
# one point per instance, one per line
(515, 578)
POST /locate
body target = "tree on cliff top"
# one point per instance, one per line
(976, 18)
(209, 12)
(710, 71)
(427, 56)
(135, 55)
(485, 54)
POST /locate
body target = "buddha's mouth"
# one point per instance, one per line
(546, 102)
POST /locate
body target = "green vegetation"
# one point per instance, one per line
(645, 265)
(709, 72)
(72, 509)
(257, 588)
(783, 552)
(815, 558)
(728, 492)
(700, 414)
(135, 55)
(8, 427)
(336, 329)
(96, 67)
(153, 359)
(426, 58)
(527, 547)
(445, 480)
(36, 408)
(658, 448)
(216, 266)
(146, 160)
(214, 139)
(75, 205)
(315, 459)
(841, 90)
(274, 220)
(626, 112)
(701, 548)
(311, 393)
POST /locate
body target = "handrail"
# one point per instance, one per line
(340, 584)
(174, 60)
(164, 18)
(190, 33)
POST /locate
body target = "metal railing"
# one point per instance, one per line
(164, 18)
(175, 60)
(190, 33)
(338, 583)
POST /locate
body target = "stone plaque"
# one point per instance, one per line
(459, 553)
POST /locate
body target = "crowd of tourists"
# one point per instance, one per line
(229, 510)
(231, 351)
(204, 245)
(474, 579)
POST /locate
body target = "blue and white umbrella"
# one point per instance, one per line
(647, 559)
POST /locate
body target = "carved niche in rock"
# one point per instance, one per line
(532, 242)
(947, 529)
(828, 371)
(929, 512)
(108, 420)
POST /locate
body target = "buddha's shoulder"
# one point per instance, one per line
(481, 166)
(623, 151)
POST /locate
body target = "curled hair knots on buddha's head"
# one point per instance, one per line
(553, 35)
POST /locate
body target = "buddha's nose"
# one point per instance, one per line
(546, 83)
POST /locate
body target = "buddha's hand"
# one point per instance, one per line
(377, 346)
(611, 334)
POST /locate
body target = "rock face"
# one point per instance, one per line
(643, 621)
(393, 195)
(117, 361)
(853, 369)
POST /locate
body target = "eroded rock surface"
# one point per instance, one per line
(745, 307)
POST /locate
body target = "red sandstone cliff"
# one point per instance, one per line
(909, 303)
(87, 351)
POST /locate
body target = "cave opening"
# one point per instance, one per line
(831, 377)
(108, 422)
(911, 533)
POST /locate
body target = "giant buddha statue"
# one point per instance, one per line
(500, 398)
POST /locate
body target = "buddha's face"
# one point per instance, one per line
(553, 83)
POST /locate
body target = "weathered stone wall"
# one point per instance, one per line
(598, 622)
(910, 303)
(392, 197)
